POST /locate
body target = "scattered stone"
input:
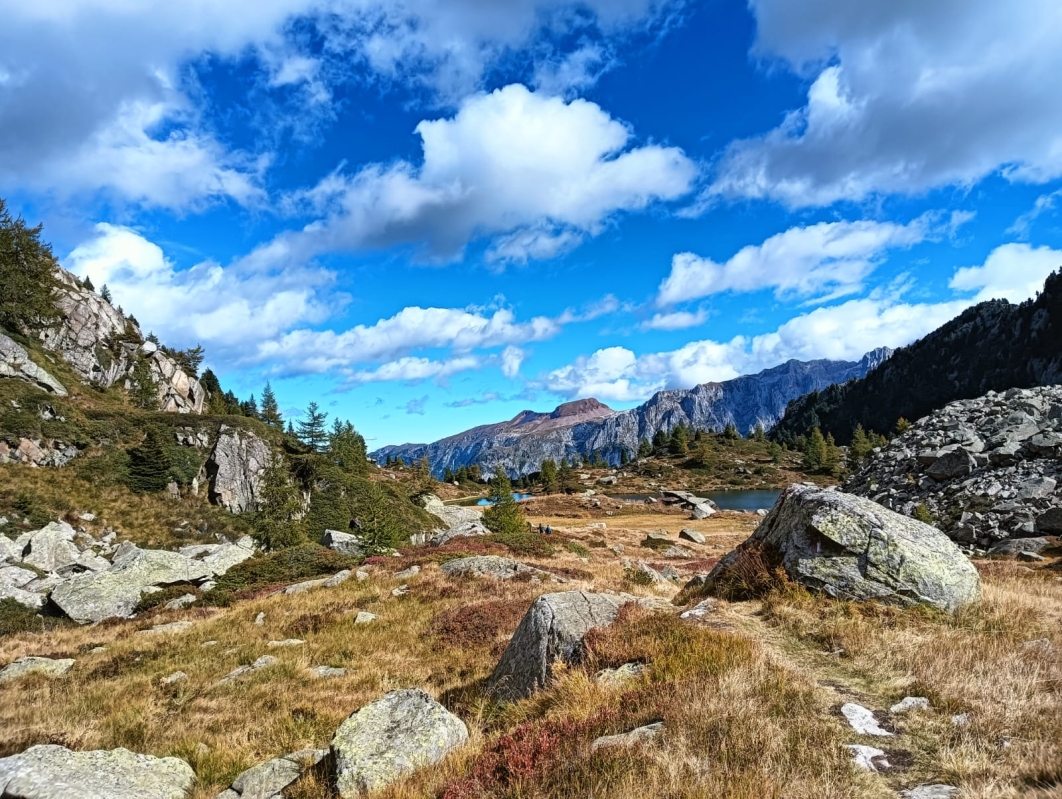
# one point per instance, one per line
(492, 566)
(261, 663)
(402, 590)
(304, 586)
(909, 703)
(286, 643)
(364, 617)
(641, 735)
(956, 463)
(343, 543)
(1014, 546)
(676, 552)
(852, 548)
(206, 644)
(171, 627)
(864, 757)
(329, 671)
(1042, 645)
(54, 772)
(1050, 522)
(35, 665)
(659, 540)
(177, 676)
(450, 515)
(1030, 557)
(671, 573)
(361, 576)
(15, 362)
(337, 579)
(862, 720)
(960, 719)
(617, 548)
(51, 548)
(937, 791)
(467, 529)
(692, 535)
(259, 620)
(643, 568)
(621, 674)
(392, 737)
(701, 610)
(405, 574)
(269, 779)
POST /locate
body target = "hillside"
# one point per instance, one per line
(588, 427)
(992, 346)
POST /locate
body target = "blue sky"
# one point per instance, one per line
(427, 216)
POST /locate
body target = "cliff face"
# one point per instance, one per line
(103, 346)
(519, 446)
(993, 346)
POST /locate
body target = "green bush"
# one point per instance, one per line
(17, 618)
(524, 543)
(578, 549)
(32, 510)
(923, 514)
(154, 600)
(291, 565)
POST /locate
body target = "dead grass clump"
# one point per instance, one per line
(753, 571)
(485, 624)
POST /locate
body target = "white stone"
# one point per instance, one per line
(862, 720)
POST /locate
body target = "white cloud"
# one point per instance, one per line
(416, 406)
(1044, 204)
(511, 360)
(829, 257)
(677, 320)
(533, 172)
(415, 370)
(96, 95)
(1012, 272)
(907, 97)
(227, 308)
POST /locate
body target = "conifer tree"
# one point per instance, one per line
(565, 477)
(860, 446)
(624, 460)
(27, 275)
(504, 516)
(275, 525)
(645, 449)
(815, 452)
(660, 439)
(902, 426)
(270, 410)
(142, 388)
(548, 476)
(346, 448)
(678, 444)
(105, 294)
(149, 465)
(311, 430)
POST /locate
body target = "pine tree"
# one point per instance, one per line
(422, 482)
(377, 524)
(275, 525)
(548, 476)
(448, 475)
(902, 426)
(149, 465)
(645, 449)
(142, 388)
(270, 410)
(860, 446)
(678, 444)
(660, 439)
(105, 294)
(730, 432)
(758, 433)
(27, 275)
(832, 462)
(504, 516)
(86, 283)
(249, 408)
(815, 452)
(346, 448)
(624, 460)
(311, 430)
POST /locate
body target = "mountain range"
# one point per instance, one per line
(587, 427)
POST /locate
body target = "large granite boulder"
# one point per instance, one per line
(390, 738)
(268, 780)
(15, 362)
(469, 529)
(450, 515)
(95, 596)
(344, 543)
(235, 468)
(54, 772)
(552, 629)
(53, 667)
(52, 547)
(492, 566)
(853, 548)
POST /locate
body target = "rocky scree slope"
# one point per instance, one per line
(985, 469)
(585, 427)
(992, 346)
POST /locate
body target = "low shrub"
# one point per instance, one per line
(158, 598)
(578, 549)
(485, 624)
(524, 543)
(17, 618)
(278, 568)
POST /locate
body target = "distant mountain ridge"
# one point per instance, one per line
(993, 346)
(587, 426)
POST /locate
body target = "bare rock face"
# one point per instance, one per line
(36, 452)
(103, 346)
(553, 629)
(235, 469)
(852, 548)
(390, 738)
(15, 362)
(55, 772)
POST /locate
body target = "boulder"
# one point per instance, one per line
(552, 629)
(16, 576)
(392, 737)
(1015, 546)
(490, 566)
(852, 548)
(235, 468)
(956, 463)
(96, 596)
(52, 547)
(31, 599)
(692, 535)
(702, 510)
(344, 543)
(450, 515)
(35, 665)
(641, 735)
(1050, 522)
(54, 772)
(464, 530)
(269, 779)
(15, 362)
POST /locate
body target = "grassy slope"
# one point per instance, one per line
(749, 698)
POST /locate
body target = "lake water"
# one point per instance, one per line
(516, 496)
(726, 500)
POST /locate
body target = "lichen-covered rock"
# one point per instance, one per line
(390, 738)
(35, 665)
(852, 548)
(467, 529)
(52, 547)
(55, 772)
(15, 362)
(451, 515)
(101, 595)
(235, 468)
(36, 452)
(552, 629)
(491, 566)
(269, 779)
(343, 543)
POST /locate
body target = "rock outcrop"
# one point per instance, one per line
(104, 346)
(36, 452)
(269, 779)
(235, 467)
(587, 427)
(552, 629)
(852, 548)
(16, 363)
(390, 738)
(983, 470)
(55, 772)
(35, 665)
(450, 515)
(493, 566)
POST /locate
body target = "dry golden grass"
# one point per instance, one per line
(749, 697)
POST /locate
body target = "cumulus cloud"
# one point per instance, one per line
(131, 124)
(417, 370)
(905, 97)
(677, 320)
(533, 173)
(1012, 272)
(229, 308)
(832, 257)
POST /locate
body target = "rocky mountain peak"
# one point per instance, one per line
(582, 407)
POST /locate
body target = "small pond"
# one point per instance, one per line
(517, 496)
(726, 500)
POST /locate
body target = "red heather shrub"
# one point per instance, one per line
(480, 625)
